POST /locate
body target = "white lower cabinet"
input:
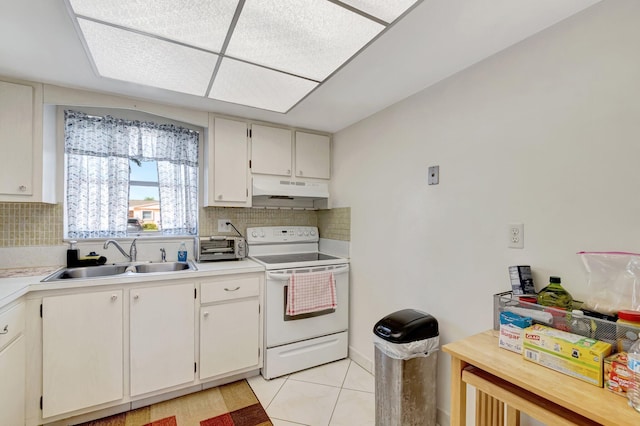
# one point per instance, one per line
(162, 336)
(12, 366)
(107, 348)
(82, 351)
(229, 326)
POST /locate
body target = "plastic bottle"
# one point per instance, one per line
(633, 364)
(182, 252)
(554, 295)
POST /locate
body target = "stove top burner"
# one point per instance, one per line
(294, 257)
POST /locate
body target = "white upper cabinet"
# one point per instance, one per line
(25, 169)
(227, 167)
(275, 152)
(313, 156)
(271, 150)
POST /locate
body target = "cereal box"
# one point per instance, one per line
(617, 377)
(577, 356)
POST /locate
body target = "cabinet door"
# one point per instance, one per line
(162, 337)
(270, 150)
(229, 334)
(313, 156)
(229, 157)
(16, 139)
(82, 344)
(12, 385)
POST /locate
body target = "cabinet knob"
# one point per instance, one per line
(288, 171)
(136, 297)
(5, 330)
(114, 297)
(300, 173)
(206, 314)
(232, 289)
(220, 197)
(22, 188)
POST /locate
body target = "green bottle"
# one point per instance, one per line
(555, 295)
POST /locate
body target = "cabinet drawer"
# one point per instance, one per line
(11, 324)
(229, 289)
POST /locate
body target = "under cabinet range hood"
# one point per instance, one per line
(279, 192)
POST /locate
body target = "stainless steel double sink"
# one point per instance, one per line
(113, 270)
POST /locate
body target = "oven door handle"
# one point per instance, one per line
(283, 276)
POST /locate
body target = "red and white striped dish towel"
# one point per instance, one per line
(311, 292)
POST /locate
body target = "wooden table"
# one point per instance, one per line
(503, 378)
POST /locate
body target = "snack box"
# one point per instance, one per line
(617, 376)
(577, 356)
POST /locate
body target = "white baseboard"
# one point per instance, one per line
(361, 360)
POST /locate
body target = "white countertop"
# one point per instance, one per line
(12, 288)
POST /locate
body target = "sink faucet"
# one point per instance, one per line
(163, 254)
(133, 251)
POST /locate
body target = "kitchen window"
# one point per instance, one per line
(114, 166)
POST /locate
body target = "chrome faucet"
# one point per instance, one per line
(163, 254)
(133, 251)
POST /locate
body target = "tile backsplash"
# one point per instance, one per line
(30, 224)
(36, 224)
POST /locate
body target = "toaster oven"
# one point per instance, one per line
(221, 248)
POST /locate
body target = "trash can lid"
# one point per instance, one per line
(407, 325)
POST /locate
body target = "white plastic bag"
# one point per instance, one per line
(419, 348)
(613, 281)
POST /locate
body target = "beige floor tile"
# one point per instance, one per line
(332, 374)
(359, 379)
(302, 402)
(285, 423)
(354, 408)
(265, 390)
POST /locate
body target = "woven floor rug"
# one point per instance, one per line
(234, 404)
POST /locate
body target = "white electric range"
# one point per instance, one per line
(294, 343)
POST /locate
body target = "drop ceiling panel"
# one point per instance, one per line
(128, 56)
(259, 87)
(309, 38)
(386, 10)
(200, 23)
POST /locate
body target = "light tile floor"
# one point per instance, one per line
(335, 394)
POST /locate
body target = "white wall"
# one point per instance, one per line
(546, 133)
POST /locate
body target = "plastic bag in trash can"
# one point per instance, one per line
(419, 348)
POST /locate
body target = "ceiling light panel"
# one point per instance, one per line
(259, 87)
(128, 56)
(386, 10)
(309, 38)
(200, 23)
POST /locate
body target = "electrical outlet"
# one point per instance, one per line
(222, 225)
(516, 235)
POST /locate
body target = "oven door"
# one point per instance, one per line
(281, 329)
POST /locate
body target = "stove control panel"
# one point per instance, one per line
(282, 234)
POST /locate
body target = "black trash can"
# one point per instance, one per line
(406, 348)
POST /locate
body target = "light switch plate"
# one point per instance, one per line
(434, 175)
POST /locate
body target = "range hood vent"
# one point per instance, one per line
(276, 192)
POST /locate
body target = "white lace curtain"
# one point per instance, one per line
(97, 152)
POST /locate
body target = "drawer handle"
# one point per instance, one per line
(232, 289)
(206, 314)
(5, 330)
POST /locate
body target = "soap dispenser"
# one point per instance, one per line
(182, 252)
(72, 254)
